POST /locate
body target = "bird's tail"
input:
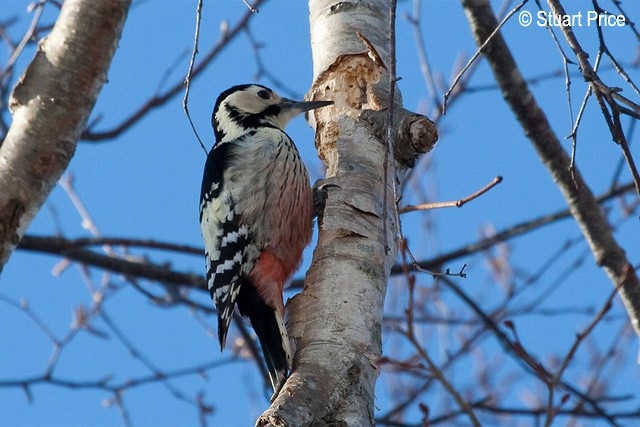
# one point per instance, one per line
(275, 347)
(272, 334)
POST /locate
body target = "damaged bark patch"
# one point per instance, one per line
(327, 133)
(352, 92)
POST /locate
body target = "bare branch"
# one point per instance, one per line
(58, 246)
(159, 100)
(72, 249)
(553, 411)
(604, 94)
(36, 152)
(583, 205)
(187, 80)
(25, 39)
(409, 333)
(457, 203)
(478, 52)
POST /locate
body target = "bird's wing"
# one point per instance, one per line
(226, 240)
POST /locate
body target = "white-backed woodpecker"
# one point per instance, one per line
(255, 215)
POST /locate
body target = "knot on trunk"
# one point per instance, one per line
(414, 134)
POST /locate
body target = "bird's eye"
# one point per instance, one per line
(264, 94)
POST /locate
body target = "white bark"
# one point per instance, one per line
(50, 106)
(336, 321)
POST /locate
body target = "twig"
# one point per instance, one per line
(618, 170)
(252, 9)
(68, 244)
(23, 306)
(628, 21)
(25, 39)
(66, 182)
(457, 203)
(604, 94)
(605, 49)
(515, 349)
(427, 74)
(263, 72)
(159, 100)
(69, 248)
(431, 366)
(187, 80)
(552, 411)
(567, 84)
(137, 354)
(478, 52)
(574, 130)
(535, 413)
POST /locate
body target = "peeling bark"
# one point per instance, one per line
(50, 106)
(336, 321)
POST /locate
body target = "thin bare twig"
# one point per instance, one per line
(252, 9)
(187, 80)
(263, 72)
(159, 100)
(25, 39)
(427, 73)
(574, 131)
(433, 369)
(604, 94)
(516, 350)
(478, 52)
(552, 410)
(567, 84)
(457, 203)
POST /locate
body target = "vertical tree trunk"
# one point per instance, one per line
(336, 321)
(50, 106)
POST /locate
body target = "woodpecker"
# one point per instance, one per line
(255, 215)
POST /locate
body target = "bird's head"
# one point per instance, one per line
(250, 106)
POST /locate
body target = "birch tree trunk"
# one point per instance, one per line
(50, 106)
(336, 321)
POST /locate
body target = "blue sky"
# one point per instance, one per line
(146, 184)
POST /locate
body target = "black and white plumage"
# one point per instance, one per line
(255, 215)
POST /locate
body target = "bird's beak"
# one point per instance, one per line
(298, 107)
(290, 109)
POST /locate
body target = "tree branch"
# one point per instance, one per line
(50, 106)
(75, 249)
(605, 95)
(159, 100)
(62, 247)
(582, 203)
